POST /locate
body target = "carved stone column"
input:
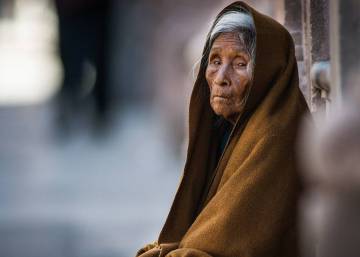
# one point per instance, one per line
(316, 47)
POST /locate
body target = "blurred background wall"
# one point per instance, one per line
(93, 110)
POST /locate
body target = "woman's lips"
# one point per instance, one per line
(221, 99)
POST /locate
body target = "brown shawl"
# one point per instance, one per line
(250, 208)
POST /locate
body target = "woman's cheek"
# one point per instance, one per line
(209, 76)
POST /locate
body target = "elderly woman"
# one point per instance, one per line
(239, 191)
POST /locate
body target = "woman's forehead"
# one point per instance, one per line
(228, 41)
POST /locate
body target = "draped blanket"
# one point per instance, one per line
(249, 209)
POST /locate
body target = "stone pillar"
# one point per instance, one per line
(293, 22)
(316, 49)
(319, 18)
(349, 46)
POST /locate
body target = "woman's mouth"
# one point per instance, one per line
(221, 97)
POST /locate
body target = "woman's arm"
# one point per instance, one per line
(253, 212)
(187, 252)
(147, 248)
(157, 250)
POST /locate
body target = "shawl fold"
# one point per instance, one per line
(250, 207)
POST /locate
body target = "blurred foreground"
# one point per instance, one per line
(83, 197)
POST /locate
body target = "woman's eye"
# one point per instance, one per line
(241, 64)
(216, 62)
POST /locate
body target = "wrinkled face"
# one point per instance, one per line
(228, 75)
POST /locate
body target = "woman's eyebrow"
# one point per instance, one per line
(238, 54)
(215, 49)
(243, 54)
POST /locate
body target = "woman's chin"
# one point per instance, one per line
(221, 112)
(225, 113)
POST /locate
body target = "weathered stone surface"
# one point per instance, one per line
(349, 37)
(319, 20)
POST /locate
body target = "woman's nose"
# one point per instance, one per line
(222, 76)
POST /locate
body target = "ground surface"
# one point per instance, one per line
(82, 197)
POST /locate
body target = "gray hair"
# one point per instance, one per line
(240, 22)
